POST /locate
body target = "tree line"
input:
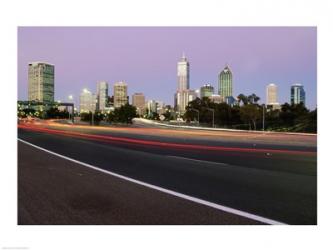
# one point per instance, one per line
(248, 114)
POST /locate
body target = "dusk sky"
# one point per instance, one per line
(146, 58)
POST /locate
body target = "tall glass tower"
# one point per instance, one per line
(225, 83)
(102, 95)
(297, 94)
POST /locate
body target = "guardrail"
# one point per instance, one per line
(218, 129)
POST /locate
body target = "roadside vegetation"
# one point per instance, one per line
(248, 114)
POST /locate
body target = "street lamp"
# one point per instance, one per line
(70, 98)
(93, 112)
(213, 115)
(263, 117)
(92, 115)
(196, 110)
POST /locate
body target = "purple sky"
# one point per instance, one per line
(146, 58)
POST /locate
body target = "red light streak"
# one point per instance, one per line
(105, 138)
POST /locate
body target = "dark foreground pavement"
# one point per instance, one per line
(52, 190)
(278, 185)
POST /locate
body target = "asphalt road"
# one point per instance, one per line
(273, 176)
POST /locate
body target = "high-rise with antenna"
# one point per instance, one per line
(183, 73)
(183, 95)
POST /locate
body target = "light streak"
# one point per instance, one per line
(161, 144)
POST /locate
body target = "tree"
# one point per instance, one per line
(167, 114)
(125, 113)
(202, 106)
(253, 99)
(290, 114)
(26, 112)
(311, 122)
(272, 118)
(87, 117)
(54, 112)
(243, 98)
(223, 114)
(111, 117)
(250, 114)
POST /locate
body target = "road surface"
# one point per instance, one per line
(272, 176)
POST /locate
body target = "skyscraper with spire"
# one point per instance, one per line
(183, 95)
(183, 73)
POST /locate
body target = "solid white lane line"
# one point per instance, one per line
(200, 161)
(180, 195)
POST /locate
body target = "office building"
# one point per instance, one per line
(271, 94)
(225, 82)
(102, 95)
(183, 74)
(182, 98)
(183, 94)
(297, 94)
(216, 98)
(120, 94)
(206, 90)
(160, 107)
(41, 82)
(138, 101)
(88, 101)
(272, 97)
(151, 107)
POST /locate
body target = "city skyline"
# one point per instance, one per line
(300, 66)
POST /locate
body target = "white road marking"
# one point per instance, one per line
(200, 161)
(164, 190)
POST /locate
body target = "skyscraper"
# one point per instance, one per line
(102, 95)
(41, 82)
(87, 101)
(297, 94)
(271, 94)
(183, 98)
(120, 94)
(151, 107)
(138, 101)
(225, 82)
(206, 90)
(183, 94)
(183, 74)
